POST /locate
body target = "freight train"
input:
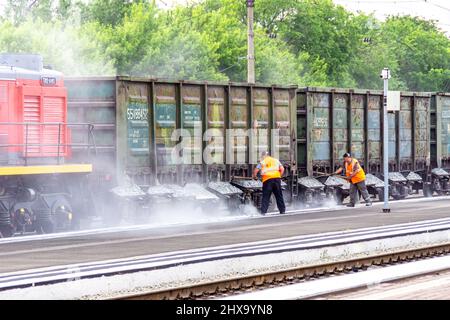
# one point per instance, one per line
(124, 146)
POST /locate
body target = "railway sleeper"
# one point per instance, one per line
(236, 284)
(247, 284)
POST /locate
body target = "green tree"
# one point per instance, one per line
(178, 55)
(108, 12)
(306, 42)
(150, 43)
(271, 14)
(222, 23)
(326, 33)
(19, 11)
(372, 55)
(422, 52)
(42, 9)
(16, 10)
(65, 48)
(127, 42)
(67, 10)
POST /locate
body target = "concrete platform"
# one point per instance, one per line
(76, 248)
(435, 286)
(401, 281)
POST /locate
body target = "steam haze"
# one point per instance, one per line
(65, 47)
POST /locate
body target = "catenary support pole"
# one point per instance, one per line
(250, 43)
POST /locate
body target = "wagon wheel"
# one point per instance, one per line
(403, 193)
(339, 196)
(6, 231)
(380, 193)
(44, 226)
(427, 191)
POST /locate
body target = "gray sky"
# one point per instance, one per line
(438, 10)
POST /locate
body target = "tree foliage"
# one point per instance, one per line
(305, 42)
(108, 12)
(64, 48)
(422, 52)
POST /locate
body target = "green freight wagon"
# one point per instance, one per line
(332, 121)
(139, 123)
(439, 179)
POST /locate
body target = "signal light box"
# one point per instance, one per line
(393, 101)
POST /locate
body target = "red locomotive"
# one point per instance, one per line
(29, 97)
(37, 180)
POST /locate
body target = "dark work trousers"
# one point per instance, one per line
(272, 185)
(361, 186)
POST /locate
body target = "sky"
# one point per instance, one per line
(438, 10)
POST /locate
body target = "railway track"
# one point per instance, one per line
(390, 283)
(239, 267)
(232, 287)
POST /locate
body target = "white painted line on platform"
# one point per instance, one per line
(329, 285)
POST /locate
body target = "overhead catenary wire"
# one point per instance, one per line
(32, 4)
(437, 5)
(396, 2)
(382, 1)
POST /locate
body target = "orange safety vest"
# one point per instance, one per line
(270, 169)
(360, 176)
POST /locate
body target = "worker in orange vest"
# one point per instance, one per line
(271, 171)
(357, 178)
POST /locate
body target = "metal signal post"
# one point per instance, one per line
(385, 75)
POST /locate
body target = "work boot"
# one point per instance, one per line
(351, 205)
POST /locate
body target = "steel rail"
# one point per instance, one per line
(57, 274)
(328, 287)
(234, 286)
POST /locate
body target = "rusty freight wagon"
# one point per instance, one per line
(216, 131)
(439, 177)
(139, 122)
(332, 121)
